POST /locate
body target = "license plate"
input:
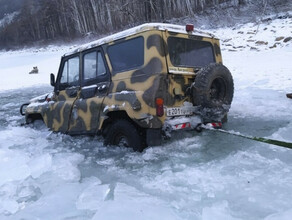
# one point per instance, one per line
(178, 111)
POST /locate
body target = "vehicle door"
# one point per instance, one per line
(67, 89)
(95, 81)
(186, 55)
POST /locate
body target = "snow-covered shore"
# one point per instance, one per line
(247, 50)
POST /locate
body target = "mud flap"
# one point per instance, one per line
(153, 137)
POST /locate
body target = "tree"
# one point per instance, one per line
(41, 20)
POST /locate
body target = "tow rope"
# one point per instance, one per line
(284, 144)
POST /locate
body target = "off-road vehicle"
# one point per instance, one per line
(135, 86)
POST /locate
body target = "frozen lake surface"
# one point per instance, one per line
(205, 175)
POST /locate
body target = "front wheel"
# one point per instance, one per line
(124, 134)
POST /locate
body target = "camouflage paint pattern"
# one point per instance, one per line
(133, 92)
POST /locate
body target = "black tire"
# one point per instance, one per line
(213, 91)
(123, 133)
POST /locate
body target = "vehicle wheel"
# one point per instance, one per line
(213, 91)
(124, 134)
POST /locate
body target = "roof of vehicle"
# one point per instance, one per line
(139, 29)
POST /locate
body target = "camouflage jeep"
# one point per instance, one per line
(136, 86)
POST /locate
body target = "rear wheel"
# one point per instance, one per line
(124, 134)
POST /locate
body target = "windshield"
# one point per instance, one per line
(190, 53)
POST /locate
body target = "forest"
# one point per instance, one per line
(40, 21)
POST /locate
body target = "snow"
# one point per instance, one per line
(8, 19)
(16, 65)
(210, 175)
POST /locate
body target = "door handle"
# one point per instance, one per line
(101, 88)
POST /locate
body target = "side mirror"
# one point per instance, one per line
(53, 83)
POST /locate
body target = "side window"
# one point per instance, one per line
(127, 55)
(100, 65)
(89, 65)
(93, 65)
(64, 76)
(70, 73)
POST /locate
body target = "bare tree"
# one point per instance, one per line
(59, 19)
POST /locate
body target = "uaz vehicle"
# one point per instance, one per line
(135, 86)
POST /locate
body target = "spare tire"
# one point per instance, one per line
(212, 92)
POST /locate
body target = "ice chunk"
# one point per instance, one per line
(286, 215)
(65, 166)
(8, 207)
(13, 166)
(93, 196)
(218, 211)
(40, 165)
(130, 203)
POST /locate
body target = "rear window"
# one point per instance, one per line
(127, 55)
(190, 53)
